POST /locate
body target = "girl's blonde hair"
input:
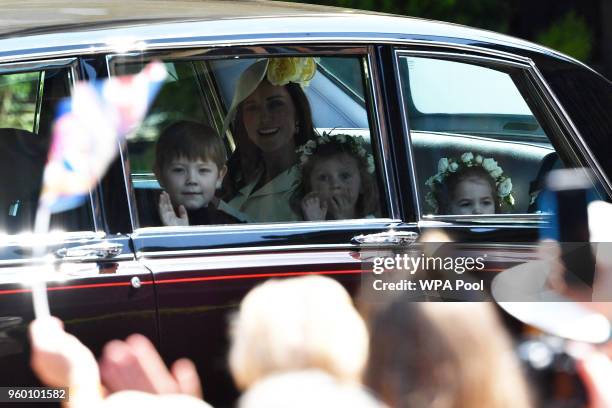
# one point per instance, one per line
(296, 324)
(443, 355)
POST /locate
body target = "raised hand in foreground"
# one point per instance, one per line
(135, 364)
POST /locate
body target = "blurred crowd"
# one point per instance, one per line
(301, 342)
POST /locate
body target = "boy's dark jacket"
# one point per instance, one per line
(202, 216)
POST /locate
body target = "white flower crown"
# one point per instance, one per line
(446, 166)
(354, 144)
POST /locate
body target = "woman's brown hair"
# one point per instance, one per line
(244, 161)
(443, 355)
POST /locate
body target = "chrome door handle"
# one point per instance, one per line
(386, 238)
(101, 250)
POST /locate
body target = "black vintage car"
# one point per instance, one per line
(416, 91)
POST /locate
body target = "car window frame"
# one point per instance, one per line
(563, 136)
(59, 238)
(374, 111)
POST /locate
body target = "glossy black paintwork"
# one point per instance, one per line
(57, 26)
(194, 316)
(587, 99)
(185, 302)
(147, 241)
(96, 314)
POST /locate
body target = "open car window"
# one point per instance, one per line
(297, 138)
(30, 98)
(480, 146)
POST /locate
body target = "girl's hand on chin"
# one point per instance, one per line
(341, 208)
(313, 207)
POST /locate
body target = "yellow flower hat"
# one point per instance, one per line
(278, 71)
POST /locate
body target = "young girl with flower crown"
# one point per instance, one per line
(469, 185)
(336, 179)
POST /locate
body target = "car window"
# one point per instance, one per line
(256, 140)
(345, 75)
(477, 143)
(28, 106)
(430, 79)
(19, 93)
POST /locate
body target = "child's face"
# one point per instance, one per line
(337, 179)
(472, 196)
(191, 183)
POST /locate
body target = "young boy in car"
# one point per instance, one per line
(190, 166)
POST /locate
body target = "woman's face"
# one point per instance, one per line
(269, 118)
(472, 195)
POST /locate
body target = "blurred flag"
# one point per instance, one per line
(88, 129)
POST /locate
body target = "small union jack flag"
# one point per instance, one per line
(88, 130)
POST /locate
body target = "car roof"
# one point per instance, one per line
(33, 27)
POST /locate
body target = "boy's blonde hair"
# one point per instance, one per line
(296, 324)
(191, 140)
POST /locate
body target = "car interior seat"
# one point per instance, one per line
(520, 161)
(22, 159)
(23, 155)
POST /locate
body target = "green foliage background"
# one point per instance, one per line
(569, 34)
(18, 100)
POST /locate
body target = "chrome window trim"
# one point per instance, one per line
(52, 238)
(311, 225)
(248, 250)
(241, 250)
(518, 220)
(39, 98)
(123, 157)
(38, 65)
(215, 107)
(31, 261)
(316, 39)
(153, 232)
(380, 128)
(197, 230)
(407, 135)
(245, 261)
(374, 112)
(546, 93)
(94, 197)
(521, 62)
(127, 184)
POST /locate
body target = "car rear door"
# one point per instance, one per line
(202, 272)
(459, 101)
(97, 288)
